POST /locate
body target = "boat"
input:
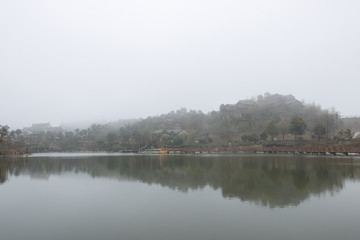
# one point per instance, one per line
(163, 151)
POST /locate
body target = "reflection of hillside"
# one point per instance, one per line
(282, 182)
(267, 180)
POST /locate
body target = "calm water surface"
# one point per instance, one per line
(85, 196)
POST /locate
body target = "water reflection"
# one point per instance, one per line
(274, 181)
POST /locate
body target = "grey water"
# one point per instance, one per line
(115, 196)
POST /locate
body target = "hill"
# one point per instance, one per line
(257, 121)
(245, 122)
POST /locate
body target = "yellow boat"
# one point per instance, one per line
(163, 151)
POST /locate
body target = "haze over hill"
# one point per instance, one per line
(283, 105)
(72, 126)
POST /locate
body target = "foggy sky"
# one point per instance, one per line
(72, 60)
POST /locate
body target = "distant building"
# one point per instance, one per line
(37, 128)
(174, 131)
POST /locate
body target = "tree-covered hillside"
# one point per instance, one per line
(269, 117)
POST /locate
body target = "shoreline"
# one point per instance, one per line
(204, 152)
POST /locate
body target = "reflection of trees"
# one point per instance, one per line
(271, 181)
(4, 167)
(3, 175)
(300, 179)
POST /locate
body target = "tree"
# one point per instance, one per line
(4, 130)
(297, 126)
(249, 138)
(18, 132)
(263, 136)
(111, 138)
(271, 129)
(319, 131)
(344, 135)
(283, 129)
(178, 141)
(248, 118)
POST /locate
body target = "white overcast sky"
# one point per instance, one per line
(71, 60)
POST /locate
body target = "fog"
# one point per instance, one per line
(71, 60)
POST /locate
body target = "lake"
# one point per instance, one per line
(117, 196)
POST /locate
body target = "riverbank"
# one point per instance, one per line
(11, 154)
(331, 150)
(326, 150)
